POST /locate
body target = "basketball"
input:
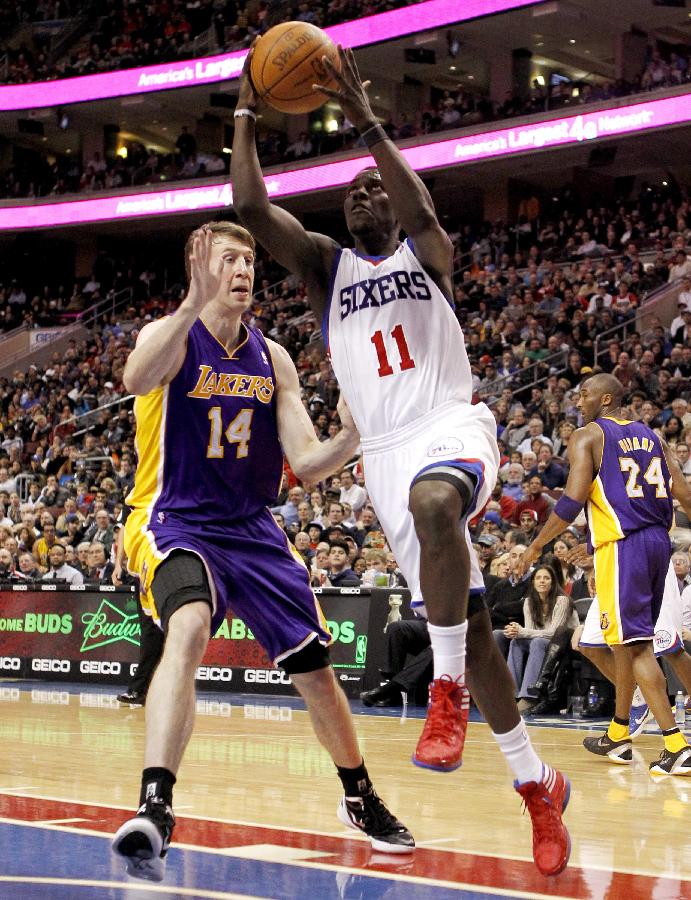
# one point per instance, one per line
(287, 61)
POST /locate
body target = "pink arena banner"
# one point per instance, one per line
(526, 138)
(212, 69)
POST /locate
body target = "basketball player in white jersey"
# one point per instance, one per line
(430, 458)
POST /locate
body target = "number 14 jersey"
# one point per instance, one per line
(396, 347)
(208, 442)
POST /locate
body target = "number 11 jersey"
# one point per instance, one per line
(395, 344)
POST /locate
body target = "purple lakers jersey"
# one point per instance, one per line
(207, 442)
(632, 487)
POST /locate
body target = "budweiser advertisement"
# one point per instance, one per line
(92, 635)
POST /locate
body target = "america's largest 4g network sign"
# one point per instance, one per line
(188, 73)
(492, 144)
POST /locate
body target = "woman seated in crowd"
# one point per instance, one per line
(545, 609)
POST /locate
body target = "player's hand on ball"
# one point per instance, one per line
(205, 280)
(247, 96)
(351, 92)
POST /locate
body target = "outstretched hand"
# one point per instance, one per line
(247, 95)
(530, 556)
(205, 280)
(351, 92)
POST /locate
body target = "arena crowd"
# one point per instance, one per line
(67, 456)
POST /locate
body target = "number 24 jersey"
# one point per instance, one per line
(632, 487)
(396, 347)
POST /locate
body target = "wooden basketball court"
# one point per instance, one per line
(256, 801)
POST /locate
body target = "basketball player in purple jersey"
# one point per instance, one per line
(430, 457)
(217, 406)
(624, 475)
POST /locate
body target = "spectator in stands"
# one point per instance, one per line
(551, 473)
(366, 523)
(513, 485)
(7, 566)
(505, 598)
(488, 545)
(535, 433)
(545, 609)
(681, 267)
(340, 574)
(59, 569)
(45, 542)
(28, 569)
(681, 566)
(82, 562)
(101, 531)
(302, 545)
(100, 570)
(534, 502)
(351, 492)
(289, 510)
(334, 519)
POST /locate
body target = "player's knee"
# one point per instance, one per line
(436, 510)
(188, 630)
(319, 686)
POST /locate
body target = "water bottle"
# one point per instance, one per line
(593, 698)
(680, 709)
(577, 706)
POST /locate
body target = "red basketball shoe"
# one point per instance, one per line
(441, 743)
(546, 801)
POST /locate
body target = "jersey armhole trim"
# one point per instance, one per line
(329, 295)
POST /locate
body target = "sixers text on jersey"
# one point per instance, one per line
(376, 292)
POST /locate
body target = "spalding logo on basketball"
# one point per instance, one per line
(287, 61)
(446, 448)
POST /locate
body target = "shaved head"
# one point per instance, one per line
(599, 395)
(602, 384)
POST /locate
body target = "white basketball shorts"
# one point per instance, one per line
(667, 637)
(454, 434)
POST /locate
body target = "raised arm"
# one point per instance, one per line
(160, 349)
(310, 459)
(409, 197)
(305, 253)
(585, 451)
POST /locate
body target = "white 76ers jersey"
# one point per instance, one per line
(396, 347)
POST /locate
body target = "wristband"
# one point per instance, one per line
(567, 509)
(244, 112)
(374, 135)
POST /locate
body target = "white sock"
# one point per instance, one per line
(448, 647)
(519, 754)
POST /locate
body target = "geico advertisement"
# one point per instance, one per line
(94, 633)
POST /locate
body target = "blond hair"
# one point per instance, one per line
(496, 562)
(229, 229)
